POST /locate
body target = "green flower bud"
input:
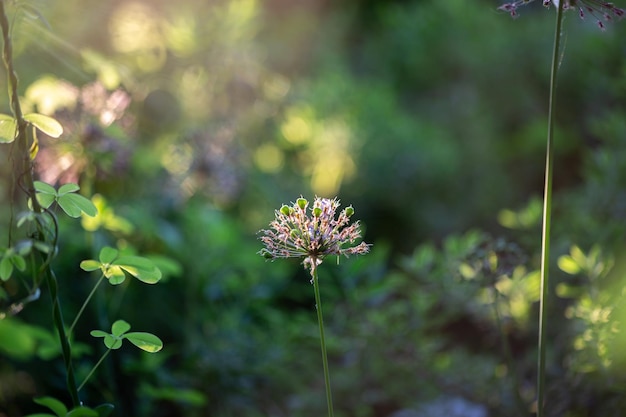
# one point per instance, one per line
(286, 210)
(349, 211)
(317, 211)
(302, 203)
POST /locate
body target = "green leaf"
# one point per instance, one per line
(43, 247)
(8, 129)
(84, 204)
(67, 203)
(98, 333)
(90, 265)
(18, 262)
(45, 200)
(108, 254)
(145, 341)
(104, 410)
(115, 275)
(120, 327)
(141, 268)
(70, 187)
(568, 265)
(46, 124)
(82, 412)
(112, 342)
(53, 404)
(6, 268)
(45, 188)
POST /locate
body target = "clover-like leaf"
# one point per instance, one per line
(46, 194)
(110, 341)
(90, 265)
(145, 341)
(108, 254)
(120, 327)
(70, 187)
(46, 124)
(141, 268)
(115, 274)
(75, 204)
(72, 204)
(53, 404)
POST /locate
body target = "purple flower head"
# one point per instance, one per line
(600, 10)
(294, 233)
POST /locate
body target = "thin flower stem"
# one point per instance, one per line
(547, 214)
(104, 355)
(320, 320)
(82, 308)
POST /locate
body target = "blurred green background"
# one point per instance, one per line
(191, 121)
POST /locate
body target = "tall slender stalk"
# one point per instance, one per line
(547, 214)
(320, 320)
(23, 171)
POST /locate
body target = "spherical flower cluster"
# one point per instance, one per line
(296, 234)
(601, 11)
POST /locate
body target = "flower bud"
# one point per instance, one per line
(317, 211)
(286, 210)
(349, 211)
(302, 203)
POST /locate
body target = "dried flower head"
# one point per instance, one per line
(601, 11)
(296, 234)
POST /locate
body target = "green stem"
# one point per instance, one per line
(82, 308)
(22, 166)
(547, 214)
(65, 344)
(94, 369)
(320, 320)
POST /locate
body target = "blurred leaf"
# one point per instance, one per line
(145, 341)
(53, 404)
(90, 265)
(46, 124)
(568, 264)
(567, 291)
(108, 254)
(104, 410)
(6, 268)
(82, 412)
(186, 396)
(115, 275)
(8, 128)
(34, 147)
